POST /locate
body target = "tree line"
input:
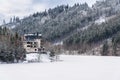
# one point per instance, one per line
(11, 48)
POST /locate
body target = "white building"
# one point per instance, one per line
(32, 43)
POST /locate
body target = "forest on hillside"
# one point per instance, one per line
(11, 49)
(62, 21)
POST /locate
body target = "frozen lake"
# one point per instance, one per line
(71, 68)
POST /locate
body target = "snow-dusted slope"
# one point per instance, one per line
(71, 68)
(100, 20)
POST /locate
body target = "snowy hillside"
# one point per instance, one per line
(71, 68)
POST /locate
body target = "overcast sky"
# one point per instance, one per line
(21, 8)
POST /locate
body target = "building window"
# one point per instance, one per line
(29, 42)
(35, 46)
(35, 49)
(35, 42)
(28, 46)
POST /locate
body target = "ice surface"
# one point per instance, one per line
(71, 68)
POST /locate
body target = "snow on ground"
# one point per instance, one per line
(34, 57)
(58, 43)
(100, 20)
(104, 19)
(84, 28)
(12, 27)
(71, 68)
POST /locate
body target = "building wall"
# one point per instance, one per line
(32, 46)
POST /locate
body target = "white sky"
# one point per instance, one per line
(22, 8)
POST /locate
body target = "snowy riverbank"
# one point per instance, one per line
(71, 68)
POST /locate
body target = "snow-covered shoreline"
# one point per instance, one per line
(72, 67)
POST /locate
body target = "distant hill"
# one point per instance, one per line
(78, 25)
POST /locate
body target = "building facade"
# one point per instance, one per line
(32, 42)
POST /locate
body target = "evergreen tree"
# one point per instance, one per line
(11, 20)
(105, 47)
(11, 47)
(4, 22)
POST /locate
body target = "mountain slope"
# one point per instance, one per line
(79, 25)
(57, 22)
(61, 21)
